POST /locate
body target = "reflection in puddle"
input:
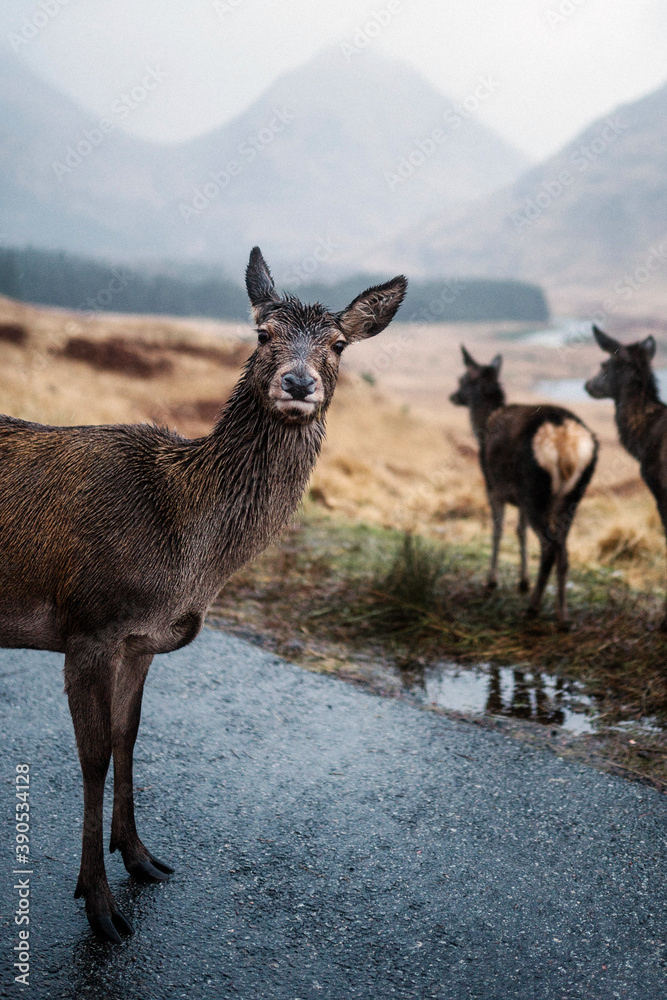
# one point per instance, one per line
(504, 691)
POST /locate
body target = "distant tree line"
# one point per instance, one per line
(452, 300)
(45, 277)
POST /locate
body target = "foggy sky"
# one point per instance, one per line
(557, 64)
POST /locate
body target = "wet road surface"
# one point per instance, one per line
(330, 843)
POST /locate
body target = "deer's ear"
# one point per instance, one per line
(373, 310)
(496, 363)
(606, 342)
(648, 346)
(259, 283)
(468, 359)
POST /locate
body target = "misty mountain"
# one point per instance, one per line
(330, 159)
(587, 215)
(94, 205)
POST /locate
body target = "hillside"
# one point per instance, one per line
(585, 216)
(303, 168)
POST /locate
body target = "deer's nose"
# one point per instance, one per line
(298, 386)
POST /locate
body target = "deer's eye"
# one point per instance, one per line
(339, 346)
(262, 337)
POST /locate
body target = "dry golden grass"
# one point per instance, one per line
(398, 456)
(398, 453)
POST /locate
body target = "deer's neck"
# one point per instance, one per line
(250, 474)
(481, 410)
(638, 408)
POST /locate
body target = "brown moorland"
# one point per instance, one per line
(398, 457)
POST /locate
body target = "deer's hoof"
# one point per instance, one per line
(523, 587)
(149, 869)
(110, 926)
(105, 919)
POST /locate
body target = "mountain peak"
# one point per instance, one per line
(344, 149)
(588, 214)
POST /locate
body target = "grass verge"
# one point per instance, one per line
(378, 606)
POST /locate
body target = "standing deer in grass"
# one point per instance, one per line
(115, 540)
(627, 378)
(538, 458)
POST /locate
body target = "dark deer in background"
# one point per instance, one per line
(538, 458)
(115, 540)
(627, 378)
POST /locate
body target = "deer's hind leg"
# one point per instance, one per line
(561, 528)
(562, 565)
(521, 526)
(126, 698)
(88, 684)
(662, 510)
(549, 549)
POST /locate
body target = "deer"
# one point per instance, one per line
(540, 459)
(641, 418)
(115, 540)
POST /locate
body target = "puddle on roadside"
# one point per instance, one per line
(519, 694)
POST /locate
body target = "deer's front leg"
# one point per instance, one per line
(88, 678)
(125, 715)
(497, 515)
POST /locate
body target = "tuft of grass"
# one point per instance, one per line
(622, 544)
(410, 586)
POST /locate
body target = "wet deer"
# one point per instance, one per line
(115, 540)
(627, 378)
(538, 458)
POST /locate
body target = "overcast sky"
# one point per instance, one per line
(557, 64)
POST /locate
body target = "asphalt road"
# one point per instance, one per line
(330, 843)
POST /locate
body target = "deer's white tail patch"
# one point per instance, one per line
(564, 451)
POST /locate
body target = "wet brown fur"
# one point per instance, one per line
(641, 418)
(115, 540)
(537, 458)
